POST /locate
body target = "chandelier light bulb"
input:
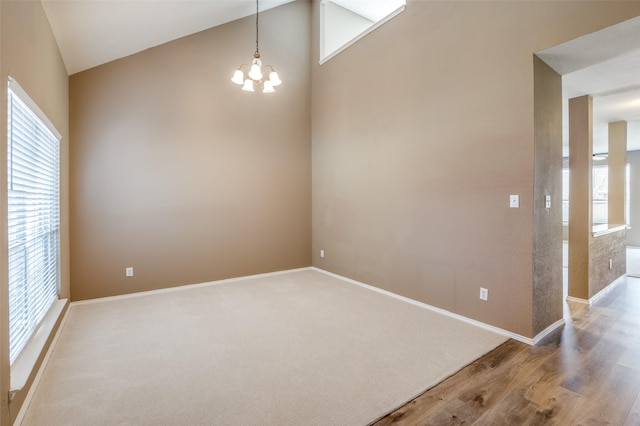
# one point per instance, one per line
(238, 77)
(268, 87)
(248, 85)
(256, 70)
(274, 78)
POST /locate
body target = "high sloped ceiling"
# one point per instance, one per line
(94, 32)
(605, 64)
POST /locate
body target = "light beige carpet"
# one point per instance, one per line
(301, 348)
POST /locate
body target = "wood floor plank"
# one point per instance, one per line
(452, 413)
(502, 381)
(586, 374)
(513, 409)
(611, 400)
(556, 409)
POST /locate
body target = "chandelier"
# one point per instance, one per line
(256, 71)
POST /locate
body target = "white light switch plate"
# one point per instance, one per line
(514, 201)
(547, 201)
(484, 294)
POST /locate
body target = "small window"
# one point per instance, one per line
(600, 213)
(627, 195)
(600, 210)
(33, 178)
(343, 22)
(565, 196)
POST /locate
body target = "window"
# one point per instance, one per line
(627, 198)
(565, 196)
(343, 22)
(600, 212)
(33, 177)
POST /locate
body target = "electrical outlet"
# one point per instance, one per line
(322, 253)
(128, 271)
(484, 294)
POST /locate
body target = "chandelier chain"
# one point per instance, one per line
(257, 14)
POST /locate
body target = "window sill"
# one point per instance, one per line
(23, 366)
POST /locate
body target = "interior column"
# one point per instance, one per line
(617, 160)
(580, 193)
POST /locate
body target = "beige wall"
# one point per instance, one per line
(617, 162)
(30, 55)
(580, 194)
(179, 174)
(421, 131)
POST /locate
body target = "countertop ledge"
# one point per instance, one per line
(604, 229)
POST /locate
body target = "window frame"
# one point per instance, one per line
(325, 56)
(22, 363)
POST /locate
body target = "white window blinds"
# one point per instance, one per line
(33, 153)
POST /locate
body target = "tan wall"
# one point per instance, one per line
(580, 194)
(30, 54)
(179, 174)
(617, 162)
(421, 131)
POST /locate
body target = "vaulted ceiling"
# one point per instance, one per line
(94, 32)
(89, 33)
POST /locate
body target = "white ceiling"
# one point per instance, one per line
(373, 10)
(94, 32)
(604, 64)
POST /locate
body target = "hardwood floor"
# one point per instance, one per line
(586, 374)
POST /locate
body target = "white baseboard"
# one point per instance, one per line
(544, 333)
(511, 335)
(506, 333)
(185, 287)
(578, 300)
(518, 337)
(599, 294)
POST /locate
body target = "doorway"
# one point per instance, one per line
(588, 65)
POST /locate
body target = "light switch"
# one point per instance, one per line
(514, 201)
(547, 201)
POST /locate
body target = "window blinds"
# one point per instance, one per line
(33, 153)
